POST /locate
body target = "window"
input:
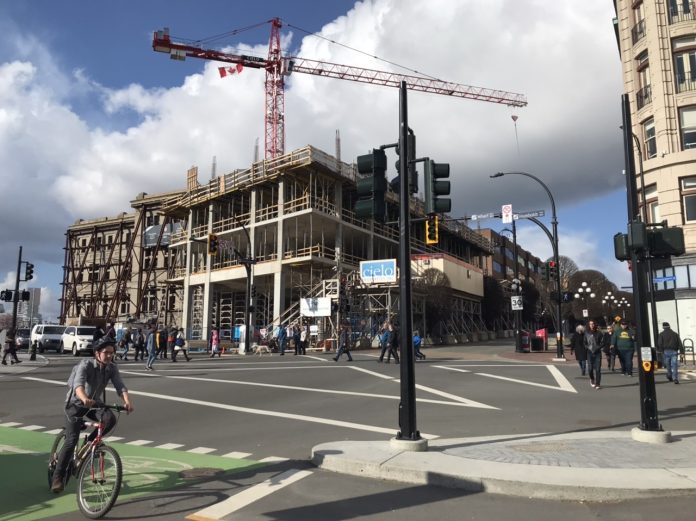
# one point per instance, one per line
(692, 274)
(125, 308)
(685, 63)
(688, 190)
(680, 10)
(638, 31)
(644, 94)
(497, 267)
(682, 274)
(84, 242)
(687, 120)
(650, 199)
(649, 138)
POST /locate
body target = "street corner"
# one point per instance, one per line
(25, 365)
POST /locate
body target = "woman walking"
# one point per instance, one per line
(180, 346)
(215, 343)
(578, 343)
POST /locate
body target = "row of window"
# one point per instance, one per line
(675, 277)
(687, 190)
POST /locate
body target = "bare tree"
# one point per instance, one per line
(567, 268)
(437, 288)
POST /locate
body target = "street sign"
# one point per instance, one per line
(527, 215)
(378, 271)
(506, 213)
(489, 215)
(670, 278)
(585, 313)
(517, 303)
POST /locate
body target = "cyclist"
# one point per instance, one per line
(86, 386)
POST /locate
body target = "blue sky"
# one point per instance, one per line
(90, 115)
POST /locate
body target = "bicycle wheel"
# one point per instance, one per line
(53, 456)
(99, 482)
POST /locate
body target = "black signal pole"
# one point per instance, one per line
(15, 295)
(407, 405)
(646, 379)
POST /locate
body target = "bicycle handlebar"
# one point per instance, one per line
(114, 407)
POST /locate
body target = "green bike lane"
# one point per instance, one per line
(24, 489)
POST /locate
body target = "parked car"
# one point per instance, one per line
(78, 339)
(48, 336)
(22, 338)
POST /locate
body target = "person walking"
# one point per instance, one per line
(669, 344)
(383, 340)
(297, 338)
(171, 340)
(623, 339)
(344, 343)
(393, 343)
(282, 339)
(215, 343)
(125, 342)
(10, 349)
(304, 339)
(180, 345)
(609, 353)
(417, 341)
(151, 346)
(139, 345)
(577, 341)
(594, 342)
(162, 342)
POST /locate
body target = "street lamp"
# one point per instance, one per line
(554, 224)
(608, 300)
(584, 292)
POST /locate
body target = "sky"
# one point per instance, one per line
(90, 116)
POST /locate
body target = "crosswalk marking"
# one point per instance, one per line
(10, 424)
(201, 450)
(139, 443)
(32, 428)
(273, 459)
(54, 431)
(237, 455)
(169, 446)
(111, 439)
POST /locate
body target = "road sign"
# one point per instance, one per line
(585, 313)
(506, 212)
(378, 271)
(527, 215)
(670, 278)
(517, 303)
(488, 215)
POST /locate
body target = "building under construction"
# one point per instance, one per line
(293, 216)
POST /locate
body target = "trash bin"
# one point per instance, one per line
(524, 340)
(537, 343)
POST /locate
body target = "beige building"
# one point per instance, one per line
(657, 43)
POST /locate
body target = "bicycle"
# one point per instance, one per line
(96, 466)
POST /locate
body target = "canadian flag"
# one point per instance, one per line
(224, 71)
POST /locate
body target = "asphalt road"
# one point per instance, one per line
(214, 419)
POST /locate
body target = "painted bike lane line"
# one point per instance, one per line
(24, 483)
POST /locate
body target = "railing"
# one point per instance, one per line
(199, 231)
(230, 223)
(682, 13)
(643, 97)
(267, 213)
(685, 84)
(638, 32)
(296, 205)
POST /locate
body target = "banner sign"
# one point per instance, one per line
(378, 271)
(315, 307)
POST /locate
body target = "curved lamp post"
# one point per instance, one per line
(554, 224)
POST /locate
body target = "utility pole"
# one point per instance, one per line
(15, 295)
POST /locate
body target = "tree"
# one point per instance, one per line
(493, 305)
(600, 286)
(567, 269)
(437, 288)
(530, 299)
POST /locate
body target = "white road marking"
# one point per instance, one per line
(249, 496)
(111, 439)
(201, 450)
(373, 373)
(9, 424)
(139, 442)
(169, 446)
(183, 370)
(449, 368)
(470, 403)
(316, 358)
(563, 382)
(32, 427)
(248, 410)
(273, 459)
(54, 431)
(237, 455)
(525, 382)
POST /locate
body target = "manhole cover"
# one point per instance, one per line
(199, 473)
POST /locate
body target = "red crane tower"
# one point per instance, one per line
(278, 66)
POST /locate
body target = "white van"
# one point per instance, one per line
(48, 336)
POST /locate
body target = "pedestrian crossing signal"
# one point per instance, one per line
(432, 232)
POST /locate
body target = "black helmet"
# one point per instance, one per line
(105, 342)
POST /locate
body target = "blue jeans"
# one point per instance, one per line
(583, 366)
(626, 356)
(594, 365)
(671, 361)
(151, 356)
(342, 350)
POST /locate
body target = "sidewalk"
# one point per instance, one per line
(591, 466)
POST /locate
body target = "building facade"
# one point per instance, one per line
(657, 44)
(28, 310)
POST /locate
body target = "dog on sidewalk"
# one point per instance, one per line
(260, 349)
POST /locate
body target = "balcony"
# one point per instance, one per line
(682, 13)
(686, 83)
(643, 97)
(638, 32)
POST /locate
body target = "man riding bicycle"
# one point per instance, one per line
(86, 387)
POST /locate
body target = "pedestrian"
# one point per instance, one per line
(180, 345)
(215, 343)
(594, 342)
(139, 345)
(669, 344)
(304, 339)
(32, 350)
(344, 343)
(282, 339)
(125, 342)
(577, 342)
(383, 340)
(609, 353)
(624, 340)
(97, 335)
(86, 386)
(110, 331)
(171, 339)
(162, 342)
(10, 349)
(393, 343)
(417, 341)
(151, 346)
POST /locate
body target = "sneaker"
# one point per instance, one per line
(57, 485)
(669, 378)
(335, 359)
(4, 363)
(676, 382)
(597, 387)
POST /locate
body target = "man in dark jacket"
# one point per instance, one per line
(669, 344)
(594, 342)
(624, 340)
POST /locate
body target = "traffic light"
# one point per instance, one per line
(666, 242)
(434, 188)
(212, 244)
(411, 168)
(253, 291)
(621, 247)
(29, 271)
(7, 295)
(26, 295)
(372, 186)
(544, 271)
(432, 230)
(553, 270)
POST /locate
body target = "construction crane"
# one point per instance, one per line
(277, 67)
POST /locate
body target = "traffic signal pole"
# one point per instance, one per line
(15, 295)
(408, 430)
